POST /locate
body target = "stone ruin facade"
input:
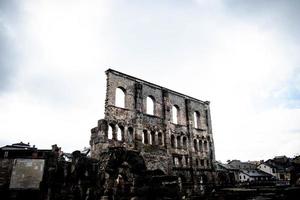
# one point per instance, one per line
(170, 130)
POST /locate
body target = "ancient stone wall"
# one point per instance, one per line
(174, 135)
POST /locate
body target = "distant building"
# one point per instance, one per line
(226, 174)
(279, 167)
(254, 175)
(237, 164)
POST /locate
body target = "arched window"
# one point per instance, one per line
(197, 163)
(205, 145)
(175, 114)
(195, 145)
(152, 134)
(200, 146)
(145, 137)
(178, 142)
(172, 141)
(150, 109)
(180, 161)
(160, 139)
(120, 133)
(176, 161)
(196, 119)
(110, 132)
(186, 160)
(202, 162)
(184, 142)
(183, 161)
(120, 97)
(130, 134)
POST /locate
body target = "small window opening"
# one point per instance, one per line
(195, 145)
(176, 161)
(160, 139)
(152, 134)
(186, 160)
(172, 141)
(205, 145)
(145, 137)
(200, 146)
(130, 134)
(119, 133)
(178, 142)
(202, 162)
(110, 132)
(184, 141)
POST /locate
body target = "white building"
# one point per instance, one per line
(253, 175)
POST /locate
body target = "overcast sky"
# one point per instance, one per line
(242, 56)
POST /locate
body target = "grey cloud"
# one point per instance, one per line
(8, 52)
(282, 15)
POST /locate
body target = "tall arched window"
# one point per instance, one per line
(120, 97)
(196, 119)
(160, 139)
(178, 142)
(184, 142)
(150, 109)
(145, 137)
(200, 145)
(186, 160)
(205, 145)
(175, 114)
(120, 133)
(130, 134)
(110, 132)
(195, 145)
(202, 162)
(152, 134)
(172, 141)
